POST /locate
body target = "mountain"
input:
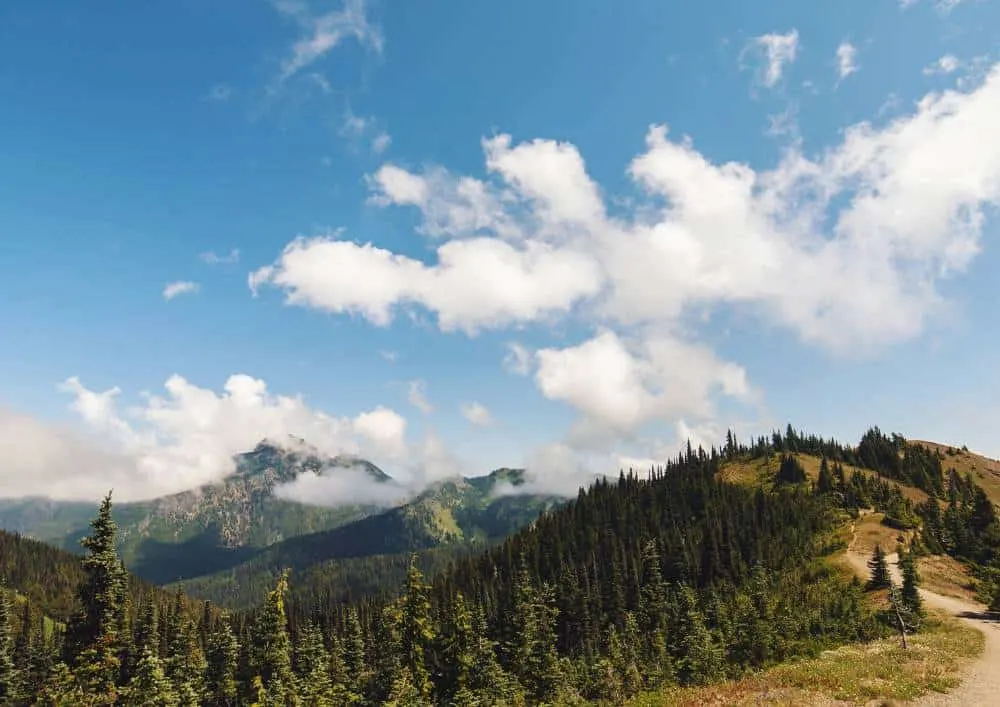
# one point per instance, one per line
(206, 529)
(454, 517)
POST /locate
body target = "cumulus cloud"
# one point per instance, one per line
(477, 414)
(845, 248)
(181, 287)
(847, 60)
(319, 34)
(776, 52)
(417, 396)
(186, 438)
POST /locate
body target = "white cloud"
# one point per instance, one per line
(321, 33)
(417, 396)
(187, 438)
(623, 384)
(845, 247)
(181, 287)
(946, 64)
(388, 355)
(777, 52)
(212, 258)
(500, 283)
(380, 143)
(517, 360)
(477, 414)
(342, 486)
(847, 60)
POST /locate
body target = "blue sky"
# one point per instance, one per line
(142, 136)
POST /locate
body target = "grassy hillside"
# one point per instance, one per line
(984, 471)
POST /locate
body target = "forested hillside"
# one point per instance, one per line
(683, 577)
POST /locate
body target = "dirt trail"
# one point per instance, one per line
(981, 683)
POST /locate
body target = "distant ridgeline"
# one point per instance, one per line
(680, 577)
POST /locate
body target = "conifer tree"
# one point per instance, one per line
(825, 482)
(533, 649)
(272, 646)
(880, 578)
(699, 660)
(221, 657)
(910, 594)
(312, 664)
(185, 663)
(8, 672)
(416, 630)
(652, 618)
(355, 660)
(149, 687)
(93, 642)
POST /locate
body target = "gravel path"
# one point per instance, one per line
(981, 683)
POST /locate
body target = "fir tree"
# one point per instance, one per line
(185, 663)
(699, 660)
(355, 660)
(8, 672)
(272, 646)
(416, 631)
(92, 640)
(880, 578)
(910, 595)
(312, 663)
(221, 656)
(149, 686)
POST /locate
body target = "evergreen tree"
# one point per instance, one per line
(416, 631)
(533, 650)
(185, 663)
(825, 483)
(8, 672)
(312, 663)
(221, 656)
(699, 660)
(272, 646)
(880, 578)
(910, 595)
(149, 687)
(355, 660)
(93, 642)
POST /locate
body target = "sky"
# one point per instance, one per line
(451, 236)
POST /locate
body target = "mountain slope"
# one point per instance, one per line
(206, 529)
(453, 517)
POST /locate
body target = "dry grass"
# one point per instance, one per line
(947, 576)
(880, 671)
(761, 472)
(870, 532)
(984, 471)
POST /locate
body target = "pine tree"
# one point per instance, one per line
(533, 648)
(652, 618)
(185, 664)
(221, 656)
(93, 642)
(8, 672)
(416, 630)
(312, 663)
(825, 483)
(149, 687)
(272, 646)
(699, 660)
(910, 595)
(880, 578)
(355, 660)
